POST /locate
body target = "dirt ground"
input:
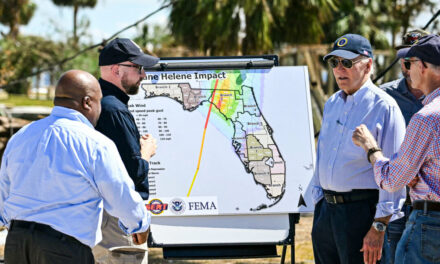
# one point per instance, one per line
(303, 250)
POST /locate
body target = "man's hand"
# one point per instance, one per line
(148, 146)
(140, 238)
(363, 138)
(372, 246)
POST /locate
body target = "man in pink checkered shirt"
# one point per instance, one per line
(417, 163)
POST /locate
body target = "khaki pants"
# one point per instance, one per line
(116, 247)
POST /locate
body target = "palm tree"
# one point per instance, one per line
(247, 26)
(76, 4)
(14, 13)
(374, 18)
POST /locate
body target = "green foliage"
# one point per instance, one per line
(247, 26)
(28, 54)
(208, 25)
(302, 22)
(260, 26)
(87, 61)
(16, 13)
(153, 40)
(80, 3)
(21, 57)
(374, 19)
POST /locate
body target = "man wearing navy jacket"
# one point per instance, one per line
(121, 64)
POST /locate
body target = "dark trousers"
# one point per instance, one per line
(34, 243)
(339, 229)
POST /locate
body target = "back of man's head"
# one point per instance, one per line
(79, 90)
(427, 49)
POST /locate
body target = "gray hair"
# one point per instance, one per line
(436, 68)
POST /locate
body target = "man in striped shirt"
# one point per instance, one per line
(417, 163)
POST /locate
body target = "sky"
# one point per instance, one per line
(106, 18)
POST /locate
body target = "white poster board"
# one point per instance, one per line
(235, 153)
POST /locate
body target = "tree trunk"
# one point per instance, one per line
(75, 14)
(318, 96)
(13, 26)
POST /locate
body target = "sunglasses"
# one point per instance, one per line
(333, 62)
(139, 67)
(407, 63)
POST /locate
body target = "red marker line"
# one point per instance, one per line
(203, 139)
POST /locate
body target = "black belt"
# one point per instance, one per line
(43, 228)
(426, 205)
(353, 196)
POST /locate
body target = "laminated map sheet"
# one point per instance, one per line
(230, 142)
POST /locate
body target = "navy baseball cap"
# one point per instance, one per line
(427, 49)
(122, 49)
(350, 46)
(409, 39)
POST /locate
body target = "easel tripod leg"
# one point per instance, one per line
(283, 255)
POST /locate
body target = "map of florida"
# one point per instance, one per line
(252, 139)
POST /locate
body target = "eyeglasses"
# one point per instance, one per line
(333, 62)
(139, 67)
(407, 63)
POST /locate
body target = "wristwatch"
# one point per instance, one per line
(379, 226)
(371, 151)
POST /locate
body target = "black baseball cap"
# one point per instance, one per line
(427, 49)
(409, 39)
(350, 46)
(123, 49)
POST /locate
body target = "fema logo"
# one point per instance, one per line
(177, 206)
(342, 42)
(156, 206)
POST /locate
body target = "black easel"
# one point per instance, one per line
(293, 220)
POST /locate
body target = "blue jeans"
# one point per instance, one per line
(420, 242)
(392, 236)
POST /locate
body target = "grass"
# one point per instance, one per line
(23, 100)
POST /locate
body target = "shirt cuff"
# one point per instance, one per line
(143, 226)
(384, 209)
(317, 194)
(377, 169)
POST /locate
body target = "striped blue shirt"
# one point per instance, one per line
(61, 172)
(342, 166)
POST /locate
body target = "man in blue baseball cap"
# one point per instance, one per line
(409, 99)
(351, 213)
(121, 64)
(417, 163)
